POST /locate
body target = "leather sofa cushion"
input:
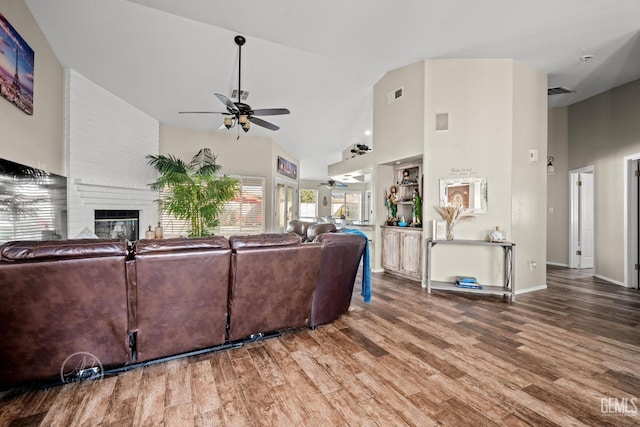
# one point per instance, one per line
(61, 249)
(316, 229)
(181, 290)
(264, 240)
(143, 247)
(299, 227)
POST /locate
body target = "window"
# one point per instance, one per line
(308, 205)
(347, 204)
(243, 214)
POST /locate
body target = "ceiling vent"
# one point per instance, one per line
(243, 94)
(559, 90)
(394, 95)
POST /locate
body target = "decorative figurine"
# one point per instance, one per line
(393, 201)
(417, 209)
(406, 178)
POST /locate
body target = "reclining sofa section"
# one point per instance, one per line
(58, 298)
(132, 305)
(273, 279)
(180, 288)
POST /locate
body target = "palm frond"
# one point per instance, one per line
(204, 162)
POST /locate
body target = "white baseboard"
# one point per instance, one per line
(532, 289)
(377, 270)
(557, 264)
(606, 279)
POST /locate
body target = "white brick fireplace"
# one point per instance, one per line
(107, 142)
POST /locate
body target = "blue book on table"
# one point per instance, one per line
(468, 285)
(466, 279)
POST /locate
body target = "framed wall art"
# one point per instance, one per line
(287, 168)
(16, 68)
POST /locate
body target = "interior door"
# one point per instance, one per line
(581, 245)
(634, 224)
(586, 220)
(287, 206)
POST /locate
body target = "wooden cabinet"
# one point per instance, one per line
(390, 249)
(402, 251)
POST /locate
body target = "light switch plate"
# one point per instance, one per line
(533, 155)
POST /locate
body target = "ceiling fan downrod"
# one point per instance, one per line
(240, 41)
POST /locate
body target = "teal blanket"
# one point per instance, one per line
(366, 269)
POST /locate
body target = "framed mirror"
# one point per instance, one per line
(470, 193)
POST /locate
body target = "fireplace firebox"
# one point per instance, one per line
(117, 224)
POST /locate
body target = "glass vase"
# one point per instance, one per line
(449, 231)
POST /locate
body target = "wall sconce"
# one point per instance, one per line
(550, 168)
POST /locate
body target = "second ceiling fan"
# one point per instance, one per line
(239, 113)
(331, 183)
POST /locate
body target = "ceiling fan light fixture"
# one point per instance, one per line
(246, 126)
(243, 119)
(228, 122)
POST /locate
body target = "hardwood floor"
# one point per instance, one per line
(568, 356)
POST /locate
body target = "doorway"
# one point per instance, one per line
(632, 222)
(286, 205)
(581, 238)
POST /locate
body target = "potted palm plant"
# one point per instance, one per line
(193, 191)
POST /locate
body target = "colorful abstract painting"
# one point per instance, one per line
(16, 68)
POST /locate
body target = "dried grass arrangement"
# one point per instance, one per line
(453, 214)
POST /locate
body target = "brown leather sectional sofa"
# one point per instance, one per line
(130, 305)
(310, 230)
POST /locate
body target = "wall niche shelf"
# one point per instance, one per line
(508, 287)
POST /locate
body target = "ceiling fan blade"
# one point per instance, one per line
(226, 101)
(270, 111)
(263, 123)
(202, 112)
(341, 184)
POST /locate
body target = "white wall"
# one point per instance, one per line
(107, 142)
(558, 188)
(602, 130)
(529, 187)
(478, 96)
(397, 127)
(35, 140)
(497, 112)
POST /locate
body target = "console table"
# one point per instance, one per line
(508, 287)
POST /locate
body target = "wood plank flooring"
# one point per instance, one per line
(567, 356)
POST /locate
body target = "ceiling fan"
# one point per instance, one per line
(333, 183)
(239, 112)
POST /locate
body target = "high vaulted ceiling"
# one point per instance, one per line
(321, 59)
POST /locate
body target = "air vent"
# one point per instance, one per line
(243, 94)
(559, 90)
(395, 95)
